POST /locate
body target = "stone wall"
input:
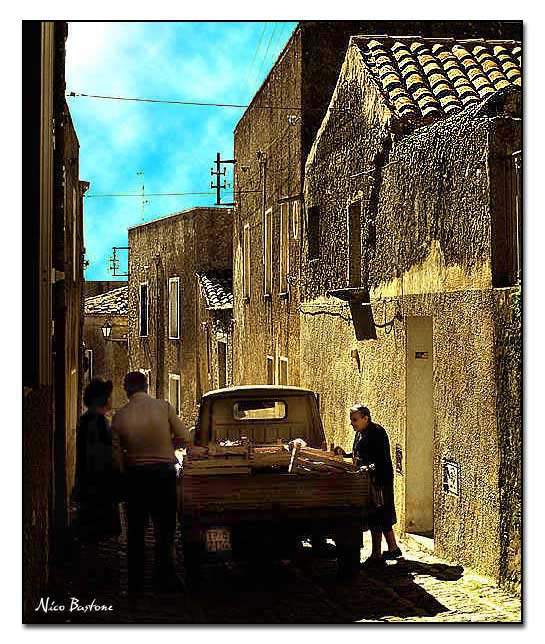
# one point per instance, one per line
(345, 371)
(110, 359)
(73, 287)
(267, 325)
(214, 326)
(97, 287)
(508, 319)
(427, 222)
(37, 494)
(175, 246)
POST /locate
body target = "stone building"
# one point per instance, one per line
(53, 250)
(96, 287)
(271, 144)
(410, 261)
(214, 349)
(166, 258)
(107, 357)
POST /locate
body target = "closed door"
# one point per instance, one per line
(420, 426)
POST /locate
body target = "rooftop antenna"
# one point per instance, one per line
(144, 200)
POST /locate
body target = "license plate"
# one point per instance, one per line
(218, 540)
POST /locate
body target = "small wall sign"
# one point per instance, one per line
(451, 477)
(421, 355)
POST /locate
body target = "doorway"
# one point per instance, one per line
(420, 427)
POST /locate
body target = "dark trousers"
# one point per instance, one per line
(151, 492)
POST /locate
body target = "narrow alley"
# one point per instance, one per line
(418, 588)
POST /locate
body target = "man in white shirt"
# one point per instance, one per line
(145, 433)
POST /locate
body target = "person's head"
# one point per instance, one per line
(135, 382)
(97, 396)
(360, 417)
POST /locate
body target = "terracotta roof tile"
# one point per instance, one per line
(110, 303)
(430, 78)
(217, 288)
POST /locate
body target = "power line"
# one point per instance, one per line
(260, 66)
(150, 194)
(159, 194)
(193, 103)
(201, 104)
(255, 55)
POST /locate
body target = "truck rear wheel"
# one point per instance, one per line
(192, 565)
(348, 560)
(348, 542)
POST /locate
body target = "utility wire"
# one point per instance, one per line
(194, 103)
(164, 194)
(260, 67)
(250, 69)
(151, 194)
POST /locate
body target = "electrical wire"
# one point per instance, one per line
(165, 194)
(196, 103)
(150, 194)
(250, 68)
(264, 59)
(186, 103)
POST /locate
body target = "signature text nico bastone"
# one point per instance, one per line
(48, 605)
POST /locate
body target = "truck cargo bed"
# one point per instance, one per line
(276, 492)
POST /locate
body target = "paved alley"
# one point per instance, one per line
(418, 588)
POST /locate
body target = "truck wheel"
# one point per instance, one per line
(348, 560)
(192, 565)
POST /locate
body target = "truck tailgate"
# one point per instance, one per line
(278, 492)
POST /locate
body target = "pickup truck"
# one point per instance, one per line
(233, 508)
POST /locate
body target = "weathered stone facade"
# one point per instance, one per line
(214, 349)
(270, 147)
(52, 217)
(109, 358)
(70, 293)
(272, 141)
(176, 246)
(433, 207)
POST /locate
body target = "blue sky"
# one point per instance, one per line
(220, 62)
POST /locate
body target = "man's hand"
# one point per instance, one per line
(196, 450)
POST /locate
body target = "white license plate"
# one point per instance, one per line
(218, 540)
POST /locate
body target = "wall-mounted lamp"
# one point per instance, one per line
(106, 331)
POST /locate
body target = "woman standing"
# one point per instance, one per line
(96, 484)
(372, 448)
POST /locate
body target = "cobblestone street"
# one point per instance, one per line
(418, 588)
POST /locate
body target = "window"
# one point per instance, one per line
(295, 219)
(74, 236)
(354, 244)
(208, 354)
(267, 258)
(174, 391)
(259, 410)
(313, 232)
(516, 205)
(246, 262)
(507, 220)
(284, 246)
(174, 308)
(222, 364)
(282, 371)
(144, 306)
(88, 365)
(270, 370)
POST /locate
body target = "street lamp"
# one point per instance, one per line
(106, 331)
